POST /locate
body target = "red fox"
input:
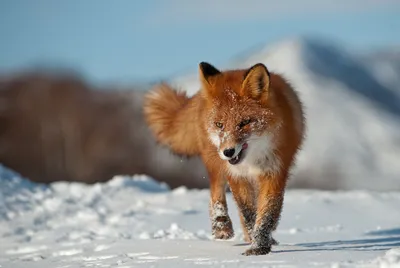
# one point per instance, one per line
(247, 125)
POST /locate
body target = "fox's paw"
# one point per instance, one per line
(262, 247)
(257, 251)
(247, 238)
(222, 228)
(274, 242)
(224, 234)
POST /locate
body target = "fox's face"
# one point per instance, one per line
(240, 116)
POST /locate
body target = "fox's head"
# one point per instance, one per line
(240, 111)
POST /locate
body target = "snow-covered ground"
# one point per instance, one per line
(136, 222)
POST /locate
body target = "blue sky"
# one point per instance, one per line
(124, 40)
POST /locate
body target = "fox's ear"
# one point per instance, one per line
(256, 81)
(207, 73)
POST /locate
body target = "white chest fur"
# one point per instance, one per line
(259, 159)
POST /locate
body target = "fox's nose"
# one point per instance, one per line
(229, 152)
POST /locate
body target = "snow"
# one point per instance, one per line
(137, 222)
(352, 111)
(353, 143)
(385, 67)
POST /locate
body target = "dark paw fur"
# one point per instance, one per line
(222, 228)
(274, 242)
(224, 234)
(257, 251)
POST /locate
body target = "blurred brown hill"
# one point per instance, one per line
(55, 126)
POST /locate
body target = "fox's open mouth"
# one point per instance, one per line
(237, 159)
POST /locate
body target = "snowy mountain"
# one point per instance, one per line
(352, 107)
(385, 66)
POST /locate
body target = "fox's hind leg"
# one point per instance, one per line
(244, 195)
(246, 233)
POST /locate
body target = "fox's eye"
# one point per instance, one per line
(244, 123)
(219, 124)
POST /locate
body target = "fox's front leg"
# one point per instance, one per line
(269, 207)
(221, 224)
(244, 195)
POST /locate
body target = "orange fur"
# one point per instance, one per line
(172, 118)
(244, 195)
(247, 125)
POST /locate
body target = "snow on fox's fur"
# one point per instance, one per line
(247, 125)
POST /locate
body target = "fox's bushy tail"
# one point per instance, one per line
(172, 116)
